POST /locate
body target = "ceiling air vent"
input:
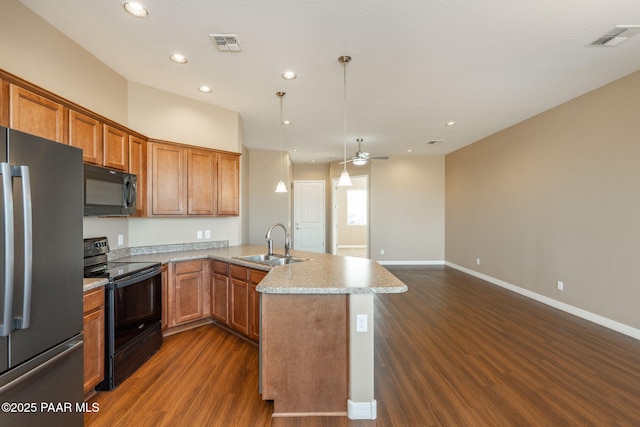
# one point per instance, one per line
(616, 36)
(435, 142)
(226, 42)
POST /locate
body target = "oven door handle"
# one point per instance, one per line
(121, 283)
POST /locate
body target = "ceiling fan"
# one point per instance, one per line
(362, 157)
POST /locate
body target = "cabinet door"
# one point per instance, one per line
(228, 184)
(168, 179)
(93, 328)
(116, 148)
(35, 114)
(220, 298)
(239, 319)
(254, 303)
(138, 167)
(200, 182)
(86, 133)
(189, 297)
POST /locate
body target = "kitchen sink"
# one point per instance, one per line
(273, 260)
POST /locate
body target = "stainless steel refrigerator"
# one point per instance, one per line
(41, 250)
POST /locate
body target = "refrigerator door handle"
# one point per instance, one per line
(7, 196)
(22, 322)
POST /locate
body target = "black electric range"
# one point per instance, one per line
(96, 264)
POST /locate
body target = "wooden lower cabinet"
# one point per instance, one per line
(190, 292)
(239, 301)
(93, 328)
(244, 301)
(220, 291)
(225, 292)
(255, 276)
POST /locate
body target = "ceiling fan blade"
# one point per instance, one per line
(342, 163)
(380, 157)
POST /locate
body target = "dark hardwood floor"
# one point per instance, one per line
(453, 351)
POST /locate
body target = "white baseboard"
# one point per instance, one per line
(587, 315)
(362, 410)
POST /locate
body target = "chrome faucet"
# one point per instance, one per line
(287, 239)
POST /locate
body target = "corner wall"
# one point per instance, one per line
(555, 198)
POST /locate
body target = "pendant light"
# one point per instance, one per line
(281, 187)
(345, 180)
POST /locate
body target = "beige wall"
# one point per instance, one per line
(407, 209)
(268, 207)
(35, 51)
(556, 197)
(163, 115)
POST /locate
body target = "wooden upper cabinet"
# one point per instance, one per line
(201, 169)
(187, 180)
(228, 184)
(116, 148)
(35, 114)
(168, 184)
(86, 133)
(138, 167)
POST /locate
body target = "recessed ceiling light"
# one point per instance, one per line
(286, 122)
(136, 9)
(179, 59)
(409, 150)
(295, 150)
(204, 89)
(289, 75)
(450, 123)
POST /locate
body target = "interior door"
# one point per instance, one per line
(309, 216)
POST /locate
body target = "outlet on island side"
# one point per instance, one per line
(560, 285)
(361, 323)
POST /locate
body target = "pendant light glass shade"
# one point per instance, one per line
(345, 179)
(281, 187)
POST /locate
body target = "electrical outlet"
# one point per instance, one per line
(199, 234)
(120, 239)
(478, 261)
(560, 285)
(381, 251)
(361, 323)
(207, 234)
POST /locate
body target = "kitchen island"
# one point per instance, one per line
(313, 362)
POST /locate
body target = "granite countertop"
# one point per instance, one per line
(319, 274)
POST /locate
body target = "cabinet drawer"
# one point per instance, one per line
(238, 272)
(93, 299)
(188, 266)
(220, 267)
(256, 276)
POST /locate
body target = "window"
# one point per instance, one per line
(356, 207)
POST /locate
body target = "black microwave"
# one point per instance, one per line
(108, 192)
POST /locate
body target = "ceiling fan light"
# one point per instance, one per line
(281, 187)
(359, 162)
(345, 180)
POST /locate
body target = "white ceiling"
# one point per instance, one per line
(416, 63)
